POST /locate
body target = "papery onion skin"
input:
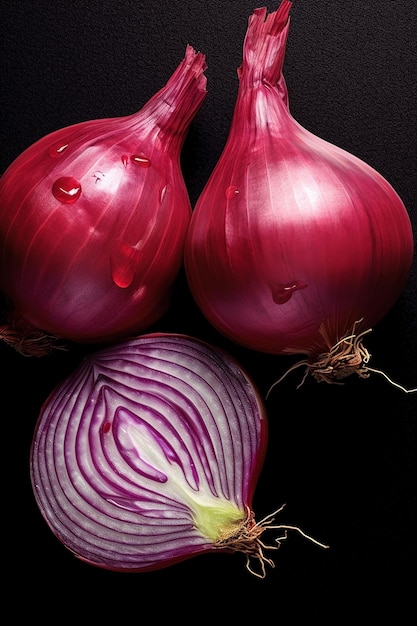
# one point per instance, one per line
(294, 243)
(148, 451)
(93, 219)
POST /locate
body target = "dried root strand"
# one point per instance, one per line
(347, 356)
(247, 539)
(29, 342)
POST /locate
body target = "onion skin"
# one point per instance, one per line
(93, 219)
(294, 243)
(149, 453)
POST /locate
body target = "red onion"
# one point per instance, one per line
(295, 246)
(93, 219)
(149, 454)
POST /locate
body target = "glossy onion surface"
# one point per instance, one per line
(93, 218)
(294, 242)
(149, 452)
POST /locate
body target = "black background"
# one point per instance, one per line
(342, 458)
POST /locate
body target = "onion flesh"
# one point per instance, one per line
(149, 453)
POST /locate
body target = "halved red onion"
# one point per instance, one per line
(149, 453)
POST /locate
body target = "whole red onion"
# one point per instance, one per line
(295, 245)
(93, 219)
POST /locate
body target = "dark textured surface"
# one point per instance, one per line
(343, 458)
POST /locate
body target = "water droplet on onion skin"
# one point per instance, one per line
(141, 160)
(66, 189)
(124, 263)
(57, 149)
(283, 292)
(125, 160)
(231, 192)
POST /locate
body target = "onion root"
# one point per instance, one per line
(246, 538)
(347, 356)
(29, 341)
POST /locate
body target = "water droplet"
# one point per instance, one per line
(125, 160)
(106, 427)
(282, 293)
(231, 192)
(66, 189)
(124, 263)
(141, 160)
(57, 149)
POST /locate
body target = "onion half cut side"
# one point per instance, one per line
(149, 453)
